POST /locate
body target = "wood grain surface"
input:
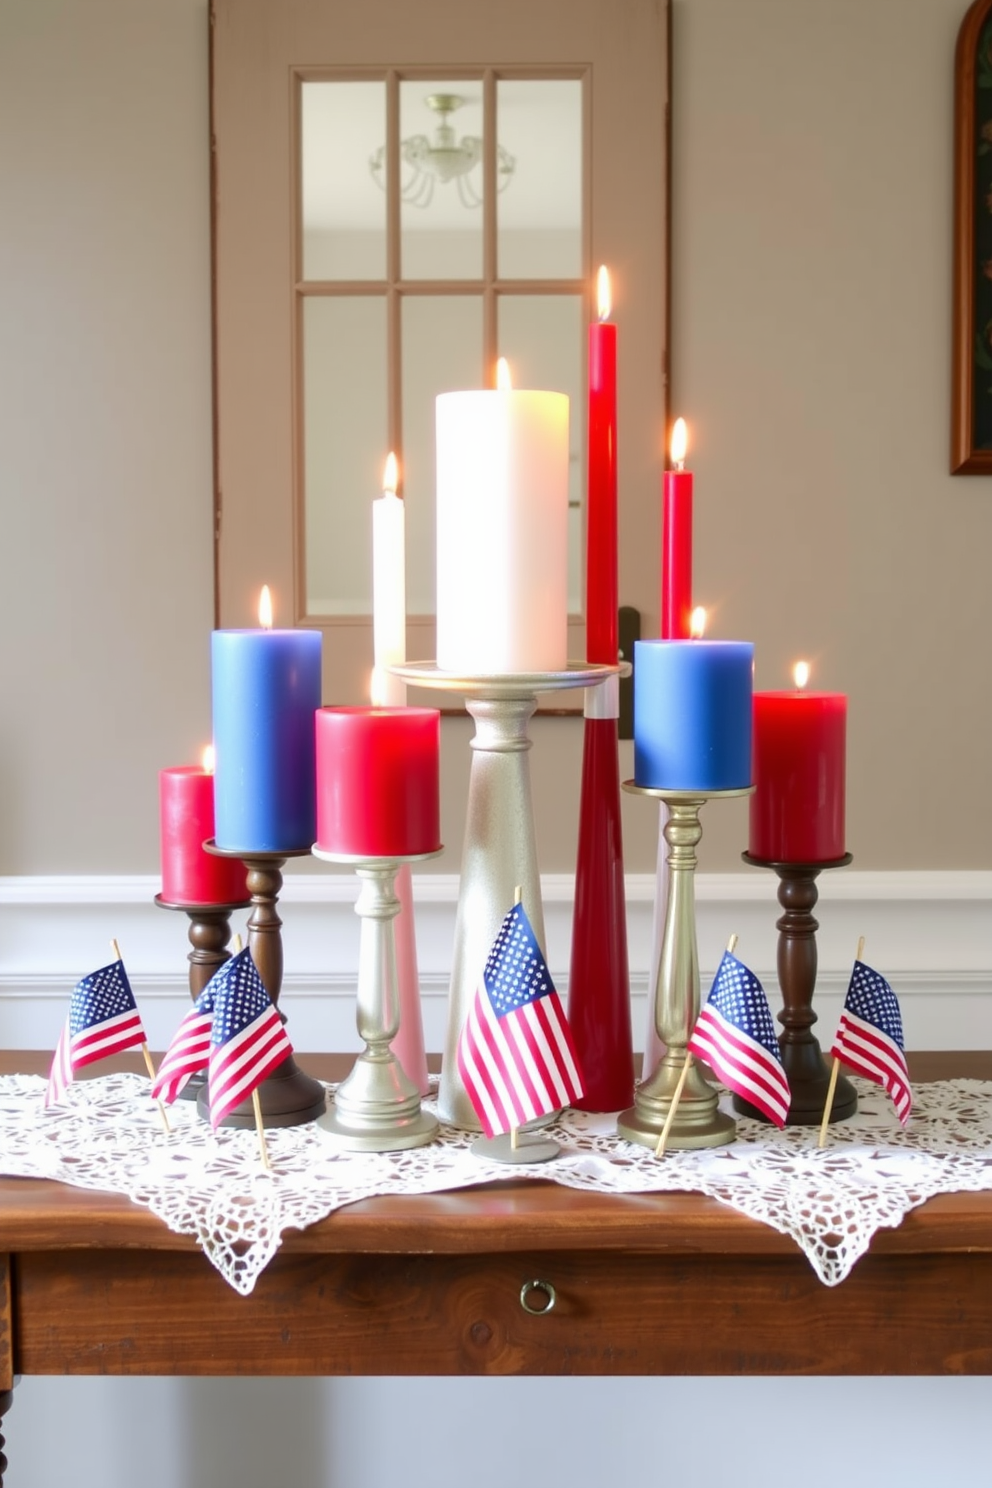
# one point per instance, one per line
(431, 1284)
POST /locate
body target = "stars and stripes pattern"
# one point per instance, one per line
(247, 1040)
(189, 1051)
(735, 1035)
(515, 1054)
(103, 1020)
(869, 1036)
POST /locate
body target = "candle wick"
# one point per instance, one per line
(680, 465)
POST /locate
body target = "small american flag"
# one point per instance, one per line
(735, 1035)
(103, 1019)
(515, 1054)
(247, 1040)
(869, 1036)
(189, 1051)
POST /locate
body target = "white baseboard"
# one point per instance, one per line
(929, 933)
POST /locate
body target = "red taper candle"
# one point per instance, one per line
(676, 542)
(602, 593)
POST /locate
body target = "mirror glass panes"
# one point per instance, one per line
(539, 213)
(407, 288)
(441, 176)
(345, 441)
(343, 124)
(543, 339)
(442, 352)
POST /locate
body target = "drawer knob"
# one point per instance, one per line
(537, 1297)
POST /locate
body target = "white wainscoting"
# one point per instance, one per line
(929, 933)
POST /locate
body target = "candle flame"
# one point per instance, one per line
(208, 759)
(603, 299)
(390, 475)
(503, 380)
(680, 443)
(800, 674)
(377, 687)
(265, 608)
(697, 623)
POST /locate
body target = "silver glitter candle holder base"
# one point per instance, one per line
(377, 1107)
(499, 852)
(698, 1120)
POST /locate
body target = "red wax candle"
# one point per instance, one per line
(602, 594)
(797, 810)
(186, 817)
(676, 542)
(378, 792)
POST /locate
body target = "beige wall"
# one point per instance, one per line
(811, 350)
(810, 347)
(105, 442)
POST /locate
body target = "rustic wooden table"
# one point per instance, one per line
(645, 1284)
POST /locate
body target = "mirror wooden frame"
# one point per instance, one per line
(970, 353)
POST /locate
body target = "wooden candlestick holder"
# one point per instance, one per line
(288, 1097)
(209, 935)
(807, 1070)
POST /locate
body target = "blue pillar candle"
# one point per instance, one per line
(692, 714)
(266, 690)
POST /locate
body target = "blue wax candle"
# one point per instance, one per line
(692, 714)
(266, 690)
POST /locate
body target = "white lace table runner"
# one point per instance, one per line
(108, 1136)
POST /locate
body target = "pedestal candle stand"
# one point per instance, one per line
(209, 935)
(377, 1107)
(499, 852)
(598, 979)
(807, 1071)
(698, 1120)
(288, 1097)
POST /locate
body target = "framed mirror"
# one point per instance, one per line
(384, 231)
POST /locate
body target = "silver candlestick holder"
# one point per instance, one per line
(698, 1120)
(500, 852)
(377, 1107)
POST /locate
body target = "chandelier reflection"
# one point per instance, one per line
(443, 158)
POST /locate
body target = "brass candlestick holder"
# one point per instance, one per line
(698, 1120)
(287, 1097)
(807, 1070)
(499, 852)
(377, 1107)
(209, 935)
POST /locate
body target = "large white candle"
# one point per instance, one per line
(502, 531)
(388, 590)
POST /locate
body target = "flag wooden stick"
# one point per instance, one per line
(260, 1128)
(149, 1066)
(256, 1104)
(835, 1071)
(659, 1150)
(518, 894)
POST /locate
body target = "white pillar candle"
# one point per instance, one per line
(502, 531)
(388, 590)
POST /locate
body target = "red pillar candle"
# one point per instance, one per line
(186, 817)
(797, 810)
(676, 542)
(378, 793)
(602, 593)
